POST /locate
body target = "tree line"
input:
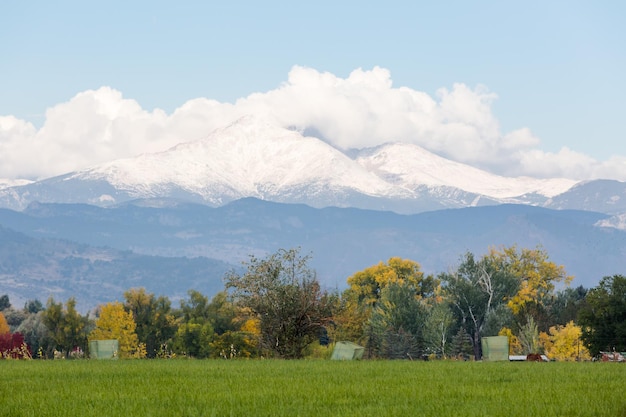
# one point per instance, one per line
(278, 308)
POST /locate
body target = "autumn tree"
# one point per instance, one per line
(4, 326)
(368, 284)
(563, 343)
(515, 347)
(285, 296)
(536, 276)
(349, 319)
(114, 322)
(603, 317)
(365, 290)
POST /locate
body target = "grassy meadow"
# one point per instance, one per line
(309, 388)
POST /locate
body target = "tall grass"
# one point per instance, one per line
(310, 388)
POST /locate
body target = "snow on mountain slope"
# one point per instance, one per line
(413, 167)
(6, 183)
(249, 158)
(617, 222)
(254, 158)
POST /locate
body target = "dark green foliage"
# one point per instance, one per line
(68, 329)
(4, 302)
(475, 290)
(566, 304)
(397, 324)
(154, 319)
(196, 332)
(285, 296)
(461, 344)
(33, 306)
(603, 317)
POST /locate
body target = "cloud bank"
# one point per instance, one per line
(361, 110)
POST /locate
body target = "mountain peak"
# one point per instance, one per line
(255, 157)
(412, 166)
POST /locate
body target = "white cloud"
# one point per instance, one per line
(361, 110)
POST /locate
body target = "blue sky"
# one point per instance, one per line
(551, 71)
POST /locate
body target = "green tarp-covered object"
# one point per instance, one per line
(104, 349)
(495, 348)
(347, 351)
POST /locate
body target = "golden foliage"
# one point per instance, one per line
(116, 323)
(537, 275)
(563, 343)
(368, 283)
(515, 346)
(349, 319)
(4, 326)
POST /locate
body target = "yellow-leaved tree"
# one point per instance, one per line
(515, 347)
(535, 272)
(563, 343)
(116, 323)
(368, 283)
(4, 326)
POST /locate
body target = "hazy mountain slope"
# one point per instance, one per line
(342, 241)
(41, 268)
(606, 196)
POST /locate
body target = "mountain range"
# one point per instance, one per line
(180, 219)
(254, 158)
(169, 247)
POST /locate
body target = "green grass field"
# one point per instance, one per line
(310, 388)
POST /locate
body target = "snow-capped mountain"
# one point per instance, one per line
(254, 158)
(249, 158)
(414, 167)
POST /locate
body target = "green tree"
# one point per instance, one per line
(36, 335)
(366, 287)
(33, 306)
(222, 313)
(155, 320)
(4, 302)
(114, 322)
(603, 317)
(438, 328)
(68, 329)
(397, 323)
(285, 296)
(475, 290)
(566, 304)
(195, 333)
(528, 337)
